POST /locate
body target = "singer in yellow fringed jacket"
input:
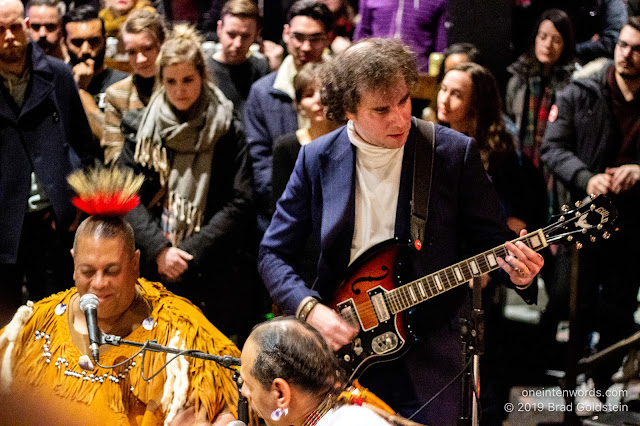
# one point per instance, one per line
(47, 377)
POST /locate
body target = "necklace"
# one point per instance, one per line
(327, 404)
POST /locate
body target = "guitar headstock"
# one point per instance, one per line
(584, 224)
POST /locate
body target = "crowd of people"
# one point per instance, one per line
(269, 167)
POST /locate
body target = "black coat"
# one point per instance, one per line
(228, 216)
(49, 135)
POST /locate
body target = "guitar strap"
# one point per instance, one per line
(422, 173)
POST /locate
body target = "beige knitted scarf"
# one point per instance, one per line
(181, 150)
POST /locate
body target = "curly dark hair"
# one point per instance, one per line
(488, 126)
(296, 352)
(370, 64)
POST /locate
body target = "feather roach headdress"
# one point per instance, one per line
(105, 191)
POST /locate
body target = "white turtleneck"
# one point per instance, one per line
(377, 186)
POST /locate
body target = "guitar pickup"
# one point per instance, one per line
(380, 306)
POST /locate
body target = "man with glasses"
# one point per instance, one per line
(269, 110)
(592, 146)
(84, 35)
(45, 136)
(45, 19)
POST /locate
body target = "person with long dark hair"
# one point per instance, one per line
(469, 101)
(537, 76)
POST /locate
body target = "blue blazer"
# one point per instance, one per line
(465, 217)
(269, 113)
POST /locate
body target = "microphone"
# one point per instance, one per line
(237, 423)
(89, 305)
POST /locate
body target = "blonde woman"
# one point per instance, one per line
(197, 196)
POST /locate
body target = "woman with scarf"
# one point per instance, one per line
(537, 76)
(197, 197)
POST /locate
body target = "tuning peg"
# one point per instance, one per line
(592, 196)
(606, 235)
(561, 219)
(599, 227)
(578, 245)
(564, 208)
(570, 238)
(592, 207)
(592, 238)
(578, 204)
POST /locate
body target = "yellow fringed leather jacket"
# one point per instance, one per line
(41, 379)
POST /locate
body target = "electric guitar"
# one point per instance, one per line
(370, 295)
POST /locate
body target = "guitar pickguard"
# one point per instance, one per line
(381, 341)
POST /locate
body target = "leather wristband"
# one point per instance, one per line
(306, 309)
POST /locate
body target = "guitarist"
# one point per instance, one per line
(352, 188)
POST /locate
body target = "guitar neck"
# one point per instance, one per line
(427, 287)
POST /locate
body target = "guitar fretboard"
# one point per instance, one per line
(425, 288)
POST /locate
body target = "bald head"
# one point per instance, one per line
(13, 36)
(15, 5)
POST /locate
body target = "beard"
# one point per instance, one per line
(627, 70)
(46, 46)
(13, 51)
(98, 60)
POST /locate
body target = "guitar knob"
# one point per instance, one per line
(564, 208)
(578, 245)
(347, 358)
(578, 204)
(606, 235)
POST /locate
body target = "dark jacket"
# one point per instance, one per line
(584, 140)
(49, 135)
(319, 200)
(575, 143)
(228, 213)
(517, 94)
(268, 113)
(464, 213)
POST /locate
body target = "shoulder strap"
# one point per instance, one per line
(422, 173)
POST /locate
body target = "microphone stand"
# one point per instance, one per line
(226, 361)
(472, 333)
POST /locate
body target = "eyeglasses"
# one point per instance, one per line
(49, 27)
(94, 42)
(635, 48)
(311, 38)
